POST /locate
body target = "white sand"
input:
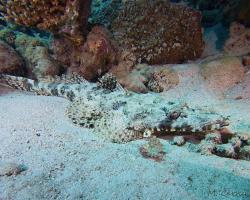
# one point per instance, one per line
(67, 162)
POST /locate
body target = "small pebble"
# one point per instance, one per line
(178, 140)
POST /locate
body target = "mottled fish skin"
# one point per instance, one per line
(68, 91)
(80, 93)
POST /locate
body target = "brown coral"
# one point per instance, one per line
(239, 40)
(58, 16)
(98, 54)
(223, 73)
(158, 32)
(92, 59)
(10, 61)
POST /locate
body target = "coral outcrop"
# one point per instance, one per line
(40, 62)
(60, 17)
(223, 73)
(36, 55)
(98, 54)
(103, 12)
(143, 78)
(65, 52)
(8, 36)
(239, 40)
(158, 32)
(10, 61)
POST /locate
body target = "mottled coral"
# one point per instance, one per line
(98, 54)
(223, 73)
(66, 52)
(239, 40)
(40, 62)
(36, 56)
(104, 11)
(158, 32)
(237, 147)
(10, 61)
(8, 36)
(126, 76)
(143, 77)
(58, 16)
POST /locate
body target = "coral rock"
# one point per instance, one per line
(134, 82)
(66, 52)
(64, 17)
(125, 75)
(98, 55)
(38, 61)
(223, 73)
(10, 61)
(43, 64)
(104, 11)
(8, 36)
(158, 32)
(239, 40)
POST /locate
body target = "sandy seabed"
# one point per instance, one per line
(67, 162)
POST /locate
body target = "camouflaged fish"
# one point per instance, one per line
(119, 117)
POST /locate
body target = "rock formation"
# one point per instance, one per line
(94, 58)
(10, 61)
(223, 73)
(60, 17)
(158, 32)
(238, 42)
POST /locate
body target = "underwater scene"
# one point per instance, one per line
(125, 99)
